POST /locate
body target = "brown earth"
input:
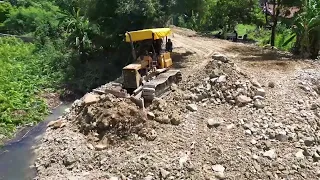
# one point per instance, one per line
(249, 113)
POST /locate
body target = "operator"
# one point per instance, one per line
(169, 45)
(157, 47)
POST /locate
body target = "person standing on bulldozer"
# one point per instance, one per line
(157, 46)
(169, 45)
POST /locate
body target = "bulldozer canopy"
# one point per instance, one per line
(147, 34)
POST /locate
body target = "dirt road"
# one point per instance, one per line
(274, 137)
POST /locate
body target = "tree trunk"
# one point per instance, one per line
(314, 49)
(266, 13)
(275, 22)
(273, 33)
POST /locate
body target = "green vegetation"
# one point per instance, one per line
(24, 72)
(78, 45)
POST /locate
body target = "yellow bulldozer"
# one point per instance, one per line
(152, 74)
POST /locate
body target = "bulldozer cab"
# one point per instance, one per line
(147, 54)
(150, 39)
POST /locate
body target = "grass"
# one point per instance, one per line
(263, 35)
(244, 29)
(24, 73)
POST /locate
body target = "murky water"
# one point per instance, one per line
(17, 155)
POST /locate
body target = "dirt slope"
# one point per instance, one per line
(248, 114)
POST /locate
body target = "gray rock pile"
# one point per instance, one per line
(309, 81)
(224, 84)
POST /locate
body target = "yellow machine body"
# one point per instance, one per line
(146, 69)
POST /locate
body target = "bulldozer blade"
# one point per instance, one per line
(138, 101)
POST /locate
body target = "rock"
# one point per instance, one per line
(256, 83)
(208, 87)
(299, 154)
(306, 152)
(220, 175)
(248, 132)
(163, 119)
(316, 157)
(100, 147)
(256, 166)
(318, 149)
(230, 126)
(175, 119)
(253, 141)
(218, 168)
(267, 145)
(174, 87)
(114, 178)
(164, 173)
(90, 146)
(215, 73)
(258, 97)
(271, 84)
(258, 104)
(220, 57)
(69, 160)
(148, 177)
(214, 122)
(213, 80)
(184, 159)
(2, 136)
(218, 171)
(272, 134)
(222, 79)
(90, 98)
(255, 157)
(271, 154)
(151, 135)
(247, 125)
(242, 99)
(260, 92)
(308, 141)
(150, 115)
(314, 107)
(57, 124)
(282, 136)
(192, 107)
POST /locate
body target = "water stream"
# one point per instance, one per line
(17, 155)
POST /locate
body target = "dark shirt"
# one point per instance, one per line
(169, 46)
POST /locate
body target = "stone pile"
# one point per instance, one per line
(224, 84)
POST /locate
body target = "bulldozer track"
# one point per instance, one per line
(159, 85)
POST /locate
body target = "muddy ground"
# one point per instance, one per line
(241, 112)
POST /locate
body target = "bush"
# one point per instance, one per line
(24, 73)
(24, 20)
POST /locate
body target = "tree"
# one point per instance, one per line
(5, 8)
(227, 14)
(78, 30)
(279, 8)
(307, 29)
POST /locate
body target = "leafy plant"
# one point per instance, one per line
(24, 74)
(307, 29)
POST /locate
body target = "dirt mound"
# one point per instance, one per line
(110, 116)
(103, 118)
